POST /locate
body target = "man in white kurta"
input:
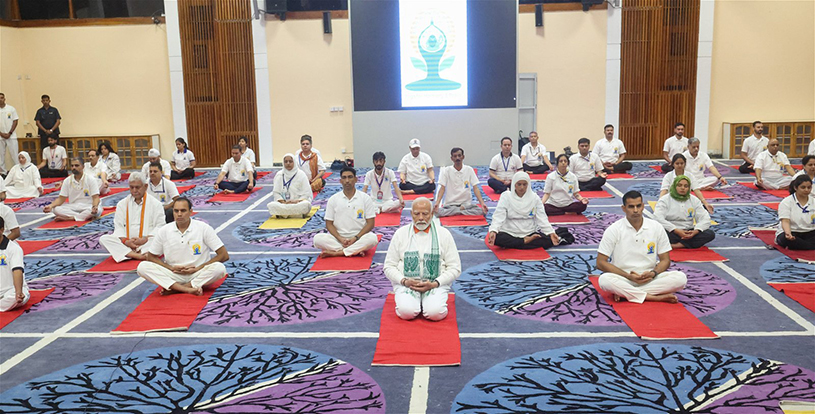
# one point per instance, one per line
(640, 255)
(416, 175)
(503, 167)
(137, 218)
(751, 147)
(186, 245)
(94, 167)
(456, 186)
(13, 288)
(770, 166)
(676, 144)
(82, 193)
(349, 219)
(380, 180)
(422, 263)
(155, 156)
(696, 162)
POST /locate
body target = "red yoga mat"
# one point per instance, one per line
(345, 263)
(232, 198)
(618, 176)
(596, 194)
(714, 195)
(777, 193)
(388, 219)
(110, 266)
(568, 219)
(197, 174)
(768, 237)
(518, 255)
(489, 192)
(803, 293)
(125, 176)
(417, 342)
(656, 167)
(72, 223)
(51, 180)
(657, 320)
(166, 313)
(183, 188)
(31, 246)
(772, 206)
(538, 177)
(411, 197)
(262, 174)
(463, 221)
(115, 190)
(24, 199)
(702, 254)
(36, 297)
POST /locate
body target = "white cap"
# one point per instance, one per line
(414, 143)
(153, 153)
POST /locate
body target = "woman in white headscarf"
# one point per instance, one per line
(519, 220)
(292, 191)
(23, 180)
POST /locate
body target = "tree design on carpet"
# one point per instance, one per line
(786, 270)
(742, 194)
(641, 378)
(202, 378)
(648, 189)
(558, 290)
(592, 233)
(736, 221)
(283, 291)
(35, 203)
(36, 268)
(72, 288)
(322, 197)
(104, 225)
(81, 243)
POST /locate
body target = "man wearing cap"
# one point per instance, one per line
(155, 156)
(416, 171)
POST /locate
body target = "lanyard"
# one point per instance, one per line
(153, 188)
(804, 208)
(141, 221)
(563, 176)
(51, 154)
(378, 181)
(506, 163)
(302, 161)
(286, 184)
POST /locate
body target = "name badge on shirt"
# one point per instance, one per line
(53, 165)
(379, 195)
(651, 247)
(196, 249)
(286, 196)
(359, 214)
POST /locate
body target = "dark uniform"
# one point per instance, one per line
(48, 118)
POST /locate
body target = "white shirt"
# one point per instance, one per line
(7, 117)
(305, 165)
(191, 248)
(182, 160)
(249, 155)
(96, 171)
(534, 156)
(585, 168)
(802, 172)
(349, 215)
(9, 218)
(128, 214)
(381, 186)
(56, 158)
(509, 221)
(695, 167)
(668, 180)
(405, 239)
(673, 214)
(754, 146)
(165, 169)
(458, 185)
(674, 145)
(416, 168)
(609, 151)
(561, 188)
(164, 191)
(11, 258)
(239, 171)
(771, 166)
(80, 192)
(800, 221)
(505, 168)
(113, 163)
(632, 250)
(811, 150)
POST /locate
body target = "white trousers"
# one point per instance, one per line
(432, 304)
(289, 210)
(7, 145)
(466, 209)
(80, 212)
(665, 282)
(118, 250)
(165, 278)
(708, 181)
(777, 183)
(327, 242)
(8, 300)
(390, 206)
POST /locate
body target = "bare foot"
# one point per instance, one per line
(229, 192)
(330, 253)
(408, 192)
(63, 218)
(184, 288)
(529, 239)
(167, 292)
(667, 298)
(617, 298)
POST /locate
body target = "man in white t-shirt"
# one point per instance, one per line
(503, 166)
(162, 189)
(696, 162)
(349, 219)
(380, 180)
(588, 167)
(54, 159)
(82, 192)
(457, 183)
(186, 245)
(416, 175)
(13, 288)
(8, 132)
(634, 256)
(751, 147)
(534, 156)
(155, 156)
(12, 227)
(612, 152)
(770, 166)
(676, 144)
(238, 173)
(811, 150)
(96, 168)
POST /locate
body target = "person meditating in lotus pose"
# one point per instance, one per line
(684, 218)
(796, 228)
(349, 219)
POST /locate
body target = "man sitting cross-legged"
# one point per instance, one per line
(82, 192)
(380, 180)
(236, 174)
(349, 219)
(770, 165)
(456, 187)
(422, 263)
(640, 255)
(13, 288)
(137, 218)
(186, 245)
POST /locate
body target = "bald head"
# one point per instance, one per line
(422, 212)
(772, 146)
(422, 203)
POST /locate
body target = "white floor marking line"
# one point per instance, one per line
(614, 190)
(49, 216)
(237, 217)
(767, 297)
(42, 343)
(418, 393)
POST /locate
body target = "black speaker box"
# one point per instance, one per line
(539, 15)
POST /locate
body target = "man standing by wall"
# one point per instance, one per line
(8, 132)
(48, 121)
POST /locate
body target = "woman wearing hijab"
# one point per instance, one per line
(562, 191)
(678, 163)
(796, 228)
(684, 217)
(292, 191)
(519, 220)
(23, 180)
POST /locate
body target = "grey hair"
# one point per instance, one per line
(692, 140)
(136, 176)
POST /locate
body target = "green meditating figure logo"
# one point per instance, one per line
(432, 45)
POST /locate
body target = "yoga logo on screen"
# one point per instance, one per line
(433, 46)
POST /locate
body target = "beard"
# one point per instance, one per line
(422, 225)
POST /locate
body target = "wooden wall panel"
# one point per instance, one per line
(658, 72)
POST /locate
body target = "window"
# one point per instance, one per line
(78, 9)
(793, 137)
